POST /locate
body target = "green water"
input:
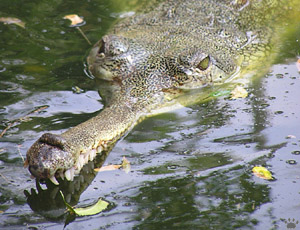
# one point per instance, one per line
(190, 169)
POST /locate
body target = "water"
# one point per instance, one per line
(190, 168)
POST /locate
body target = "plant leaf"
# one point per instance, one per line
(10, 20)
(298, 65)
(126, 165)
(86, 211)
(239, 92)
(107, 168)
(74, 18)
(262, 172)
(93, 209)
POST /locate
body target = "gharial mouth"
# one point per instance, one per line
(50, 157)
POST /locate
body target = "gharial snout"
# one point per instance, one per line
(49, 156)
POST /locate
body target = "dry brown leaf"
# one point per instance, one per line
(126, 165)
(298, 64)
(74, 18)
(107, 168)
(10, 20)
(239, 92)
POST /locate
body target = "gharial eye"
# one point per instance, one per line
(204, 63)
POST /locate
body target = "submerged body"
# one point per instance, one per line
(149, 60)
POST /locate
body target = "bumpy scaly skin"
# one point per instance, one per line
(148, 60)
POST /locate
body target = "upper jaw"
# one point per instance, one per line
(48, 155)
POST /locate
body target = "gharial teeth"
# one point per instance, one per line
(99, 149)
(86, 157)
(72, 171)
(68, 174)
(92, 154)
(61, 174)
(53, 180)
(81, 161)
(78, 166)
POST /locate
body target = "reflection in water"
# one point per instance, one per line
(49, 203)
(191, 168)
(222, 199)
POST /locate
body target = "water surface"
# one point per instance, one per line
(190, 168)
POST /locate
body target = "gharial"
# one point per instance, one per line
(152, 58)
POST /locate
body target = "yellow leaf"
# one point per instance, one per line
(74, 18)
(262, 172)
(94, 209)
(10, 20)
(239, 92)
(107, 168)
(126, 165)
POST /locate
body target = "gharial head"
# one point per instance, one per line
(117, 58)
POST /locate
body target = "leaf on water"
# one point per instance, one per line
(298, 65)
(290, 136)
(239, 92)
(94, 209)
(262, 172)
(77, 90)
(74, 18)
(126, 165)
(10, 20)
(107, 168)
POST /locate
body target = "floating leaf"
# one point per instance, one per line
(298, 64)
(239, 92)
(10, 20)
(262, 172)
(290, 136)
(74, 18)
(77, 90)
(107, 168)
(126, 165)
(77, 21)
(94, 209)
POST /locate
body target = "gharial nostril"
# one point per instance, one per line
(37, 172)
(33, 170)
